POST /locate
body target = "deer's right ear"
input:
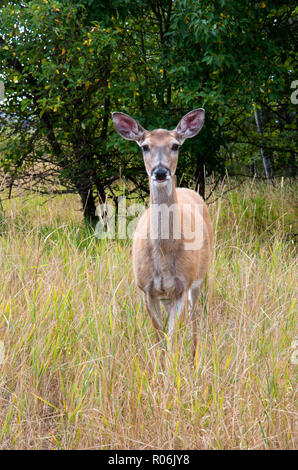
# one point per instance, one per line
(127, 127)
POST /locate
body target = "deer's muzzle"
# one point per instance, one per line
(160, 173)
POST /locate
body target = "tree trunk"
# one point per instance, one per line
(293, 167)
(88, 203)
(253, 169)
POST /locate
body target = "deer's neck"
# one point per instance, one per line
(164, 215)
(163, 193)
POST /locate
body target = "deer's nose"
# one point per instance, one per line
(160, 173)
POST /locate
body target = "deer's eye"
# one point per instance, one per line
(175, 147)
(145, 148)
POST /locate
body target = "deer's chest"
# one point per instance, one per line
(167, 280)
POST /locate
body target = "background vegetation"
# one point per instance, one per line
(67, 65)
(80, 368)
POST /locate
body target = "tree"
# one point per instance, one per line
(68, 65)
(226, 56)
(56, 72)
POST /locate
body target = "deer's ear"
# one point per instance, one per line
(127, 127)
(191, 124)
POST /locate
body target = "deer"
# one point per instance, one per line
(172, 241)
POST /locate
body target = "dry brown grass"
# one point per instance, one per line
(81, 369)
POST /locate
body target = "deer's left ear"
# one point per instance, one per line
(191, 124)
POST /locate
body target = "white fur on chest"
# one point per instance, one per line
(166, 280)
(163, 282)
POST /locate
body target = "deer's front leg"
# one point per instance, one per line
(176, 308)
(153, 307)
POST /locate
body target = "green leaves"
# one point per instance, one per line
(67, 65)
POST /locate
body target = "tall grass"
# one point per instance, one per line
(81, 369)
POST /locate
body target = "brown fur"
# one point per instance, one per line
(165, 269)
(170, 254)
(167, 260)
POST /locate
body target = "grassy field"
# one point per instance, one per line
(81, 369)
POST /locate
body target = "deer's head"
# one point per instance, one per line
(160, 147)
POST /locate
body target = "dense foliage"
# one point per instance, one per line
(67, 65)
